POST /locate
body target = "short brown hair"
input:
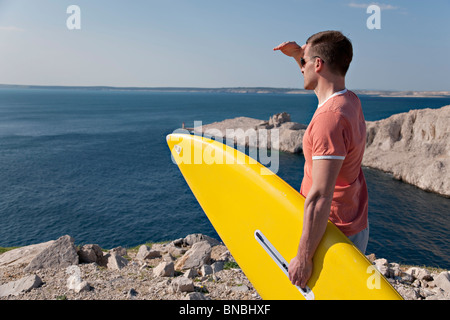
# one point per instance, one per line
(334, 48)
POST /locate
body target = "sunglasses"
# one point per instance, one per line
(303, 61)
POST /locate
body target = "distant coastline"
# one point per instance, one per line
(242, 90)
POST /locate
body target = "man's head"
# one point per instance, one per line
(333, 48)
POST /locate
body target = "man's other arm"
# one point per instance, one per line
(316, 214)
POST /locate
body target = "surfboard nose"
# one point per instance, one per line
(172, 139)
(168, 138)
(175, 138)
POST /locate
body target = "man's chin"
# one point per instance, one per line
(308, 86)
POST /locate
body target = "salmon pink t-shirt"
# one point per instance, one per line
(338, 131)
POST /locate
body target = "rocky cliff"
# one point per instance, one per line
(196, 267)
(278, 133)
(413, 146)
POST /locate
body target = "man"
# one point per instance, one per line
(333, 145)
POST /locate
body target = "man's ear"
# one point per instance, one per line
(318, 64)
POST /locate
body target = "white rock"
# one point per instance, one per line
(408, 293)
(443, 281)
(439, 294)
(20, 286)
(197, 256)
(74, 281)
(419, 273)
(115, 261)
(406, 277)
(382, 266)
(182, 284)
(164, 269)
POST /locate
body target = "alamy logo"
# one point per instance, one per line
(264, 146)
(374, 21)
(374, 280)
(73, 22)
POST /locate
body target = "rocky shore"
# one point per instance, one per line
(196, 267)
(414, 146)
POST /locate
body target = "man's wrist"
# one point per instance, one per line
(304, 255)
(297, 56)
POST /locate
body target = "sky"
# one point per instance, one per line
(199, 43)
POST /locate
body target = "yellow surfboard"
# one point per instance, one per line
(259, 218)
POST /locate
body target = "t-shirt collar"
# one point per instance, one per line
(333, 95)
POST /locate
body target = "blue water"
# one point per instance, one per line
(95, 165)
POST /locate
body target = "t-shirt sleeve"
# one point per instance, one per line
(328, 137)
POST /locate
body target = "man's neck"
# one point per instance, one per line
(325, 89)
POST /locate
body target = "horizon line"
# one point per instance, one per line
(252, 88)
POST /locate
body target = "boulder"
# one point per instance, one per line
(23, 255)
(408, 293)
(74, 281)
(146, 253)
(115, 261)
(196, 296)
(121, 251)
(217, 266)
(90, 253)
(20, 286)
(195, 257)
(191, 239)
(419, 273)
(164, 269)
(182, 284)
(191, 273)
(383, 266)
(174, 250)
(394, 270)
(205, 270)
(277, 119)
(438, 295)
(220, 253)
(168, 257)
(60, 254)
(442, 281)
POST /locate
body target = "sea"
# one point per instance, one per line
(94, 164)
